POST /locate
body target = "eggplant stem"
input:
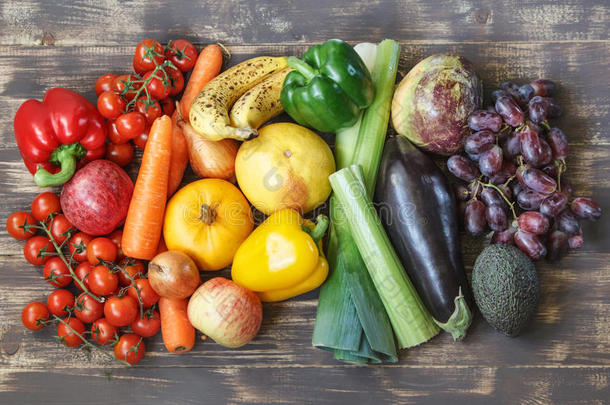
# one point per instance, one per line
(460, 320)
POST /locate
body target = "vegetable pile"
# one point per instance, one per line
(129, 260)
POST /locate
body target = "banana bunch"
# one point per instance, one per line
(236, 102)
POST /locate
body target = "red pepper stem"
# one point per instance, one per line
(65, 157)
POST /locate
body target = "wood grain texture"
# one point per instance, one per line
(563, 357)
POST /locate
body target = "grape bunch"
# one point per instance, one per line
(514, 167)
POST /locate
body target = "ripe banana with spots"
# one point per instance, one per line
(259, 104)
(209, 114)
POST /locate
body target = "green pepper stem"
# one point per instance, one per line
(65, 157)
(303, 68)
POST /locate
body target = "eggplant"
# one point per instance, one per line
(417, 207)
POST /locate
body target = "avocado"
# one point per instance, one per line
(505, 286)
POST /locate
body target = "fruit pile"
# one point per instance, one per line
(514, 165)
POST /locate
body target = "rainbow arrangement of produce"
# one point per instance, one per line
(373, 222)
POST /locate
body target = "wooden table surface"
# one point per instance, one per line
(563, 357)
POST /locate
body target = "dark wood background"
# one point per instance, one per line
(564, 357)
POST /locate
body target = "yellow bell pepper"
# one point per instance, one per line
(283, 257)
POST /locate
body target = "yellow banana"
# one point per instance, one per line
(259, 104)
(209, 114)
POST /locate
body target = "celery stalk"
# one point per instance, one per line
(411, 321)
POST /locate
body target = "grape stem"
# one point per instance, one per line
(510, 204)
(561, 168)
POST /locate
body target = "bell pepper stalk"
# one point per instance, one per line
(57, 135)
(328, 87)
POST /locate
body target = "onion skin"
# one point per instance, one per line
(173, 274)
(226, 312)
(215, 159)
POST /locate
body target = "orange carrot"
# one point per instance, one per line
(208, 65)
(176, 329)
(180, 156)
(147, 207)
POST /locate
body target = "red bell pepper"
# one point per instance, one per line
(55, 135)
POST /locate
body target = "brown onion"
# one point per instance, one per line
(214, 159)
(173, 274)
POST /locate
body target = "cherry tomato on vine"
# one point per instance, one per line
(56, 273)
(133, 267)
(116, 237)
(148, 54)
(34, 247)
(60, 228)
(148, 296)
(103, 332)
(120, 154)
(17, 225)
(121, 311)
(130, 125)
(102, 281)
(127, 86)
(182, 54)
(130, 348)
(104, 83)
(60, 301)
(82, 272)
(34, 313)
(148, 325)
(101, 248)
(150, 108)
(77, 246)
(176, 80)
(168, 105)
(45, 204)
(158, 85)
(110, 104)
(69, 338)
(88, 309)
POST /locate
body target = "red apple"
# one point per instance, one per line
(97, 198)
(226, 312)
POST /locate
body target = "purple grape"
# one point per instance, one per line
(538, 109)
(516, 188)
(533, 222)
(575, 241)
(526, 92)
(496, 217)
(508, 169)
(537, 180)
(491, 197)
(490, 161)
(530, 245)
(462, 168)
(506, 190)
(530, 147)
(554, 204)
(483, 119)
(586, 208)
(557, 245)
(558, 141)
(551, 170)
(506, 236)
(530, 200)
(554, 109)
(479, 142)
(566, 188)
(511, 88)
(543, 87)
(461, 191)
(474, 218)
(567, 222)
(511, 146)
(496, 94)
(510, 112)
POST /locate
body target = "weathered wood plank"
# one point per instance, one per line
(112, 22)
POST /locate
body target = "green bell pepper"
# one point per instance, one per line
(328, 87)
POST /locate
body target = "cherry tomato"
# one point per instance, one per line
(121, 311)
(82, 272)
(120, 154)
(59, 302)
(45, 204)
(176, 80)
(102, 281)
(159, 84)
(127, 86)
(147, 294)
(116, 237)
(140, 140)
(69, 338)
(168, 105)
(133, 267)
(101, 248)
(182, 54)
(88, 309)
(150, 108)
(104, 83)
(148, 325)
(130, 348)
(56, 273)
(148, 54)
(35, 247)
(110, 104)
(113, 133)
(77, 246)
(103, 332)
(16, 225)
(131, 124)
(34, 313)
(60, 228)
